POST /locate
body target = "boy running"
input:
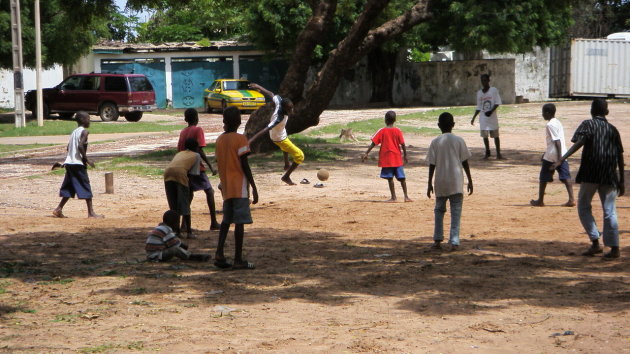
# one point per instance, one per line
(554, 135)
(231, 153)
(447, 155)
(76, 180)
(390, 159)
(278, 132)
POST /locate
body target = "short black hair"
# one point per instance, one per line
(191, 144)
(485, 75)
(286, 101)
(81, 115)
(191, 115)
(599, 107)
(446, 120)
(550, 108)
(231, 118)
(390, 117)
(170, 218)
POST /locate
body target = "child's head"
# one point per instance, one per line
(287, 106)
(549, 111)
(390, 117)
(599, 107)
(231, 119)
(191, 144)
(83, 119)
(171, 218)
(485, 80)
(446, 122)
(191, 116)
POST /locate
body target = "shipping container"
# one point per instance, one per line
(590, 68)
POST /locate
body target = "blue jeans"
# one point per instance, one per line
(608, 196)
(456, 201)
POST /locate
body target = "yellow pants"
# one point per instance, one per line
(287, 146)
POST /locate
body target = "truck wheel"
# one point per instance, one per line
(133, 116)
(108, 112)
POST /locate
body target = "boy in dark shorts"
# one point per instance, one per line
(162, 244)
(199, 182)
(76, 180)
(176, 174)
(556, 147)
(231, 153)
(390, 159)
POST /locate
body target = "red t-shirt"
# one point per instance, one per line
(194, 132)
(390, 140)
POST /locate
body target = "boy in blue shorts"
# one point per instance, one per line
(236, 177)
(278, 132)
(556, 147)
(390, 159)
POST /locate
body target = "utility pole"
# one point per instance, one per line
(16, 49)
(38, 67)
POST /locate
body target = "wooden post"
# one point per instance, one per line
(109, 182)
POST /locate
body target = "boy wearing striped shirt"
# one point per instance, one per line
(162, 244)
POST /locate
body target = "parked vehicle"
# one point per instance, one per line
(106, 95)
(225, 93)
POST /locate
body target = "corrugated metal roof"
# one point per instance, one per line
(122, 47)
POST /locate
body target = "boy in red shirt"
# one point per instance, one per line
(390, 159)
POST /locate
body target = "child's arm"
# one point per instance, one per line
(261, 89)
(258, 135)
(430, 185)
(205, 158)
(250, 178)
(404, 149)
(472, 121)
(467, 170)
(83, 141)
(622, 186)
(558, 149)
(489, 113)
(578, 144)
(365, 156)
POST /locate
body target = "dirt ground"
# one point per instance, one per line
(337, 270)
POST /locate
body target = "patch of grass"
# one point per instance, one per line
(138, 291)
(3, 286)
(57, 281)
(149, 164)
(99, 348)
(320, 153)
(141, 303)
(5, 149)
(6, 110)
(68, 317)
(108, 273)
(66, 127)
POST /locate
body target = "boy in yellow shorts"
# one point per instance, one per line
(278, 132)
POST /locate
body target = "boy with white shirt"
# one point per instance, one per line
(488, 100)
(556, 147)
(448, 155)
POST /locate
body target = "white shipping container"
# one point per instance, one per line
(590, 68)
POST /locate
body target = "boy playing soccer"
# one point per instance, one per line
(162, 244)
(76, 180)
(278, 132)
(447, 155)
(231, 153)
(390, 160)
(554, 135)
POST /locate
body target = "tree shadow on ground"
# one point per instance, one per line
(327, 268)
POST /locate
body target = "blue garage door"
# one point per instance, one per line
(191, 76)
(267, 73)
(153, 69)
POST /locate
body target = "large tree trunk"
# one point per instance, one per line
(359, 41)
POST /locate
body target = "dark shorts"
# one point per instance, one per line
(391, 172)
(199, 182)
(178, 197)
(546, 175)
(76, 182)
(236, 211)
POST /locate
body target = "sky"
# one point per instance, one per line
(143, 16)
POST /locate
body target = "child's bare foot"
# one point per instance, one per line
(215, 227)
(58, 214)
(570, 203)
(407, 200)
(391, 200)
(500, 157)
(95, 216)
(190, 235)
(537, 203)
(453, 248)
(436, 245)
(288, 181)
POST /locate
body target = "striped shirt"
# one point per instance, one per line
(161, 238)
(601, 152)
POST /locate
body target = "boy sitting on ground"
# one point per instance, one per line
(162, 244)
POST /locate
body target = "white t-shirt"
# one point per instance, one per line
(554, 132)
(278, 121)
(74, 157)
(447, 152)
(485, 102)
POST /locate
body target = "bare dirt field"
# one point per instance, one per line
(337, 270)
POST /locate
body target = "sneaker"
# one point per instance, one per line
(593, 250)
(614, 253)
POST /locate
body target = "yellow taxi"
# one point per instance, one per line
(225, 93)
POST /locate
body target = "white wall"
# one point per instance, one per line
(50, 78)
